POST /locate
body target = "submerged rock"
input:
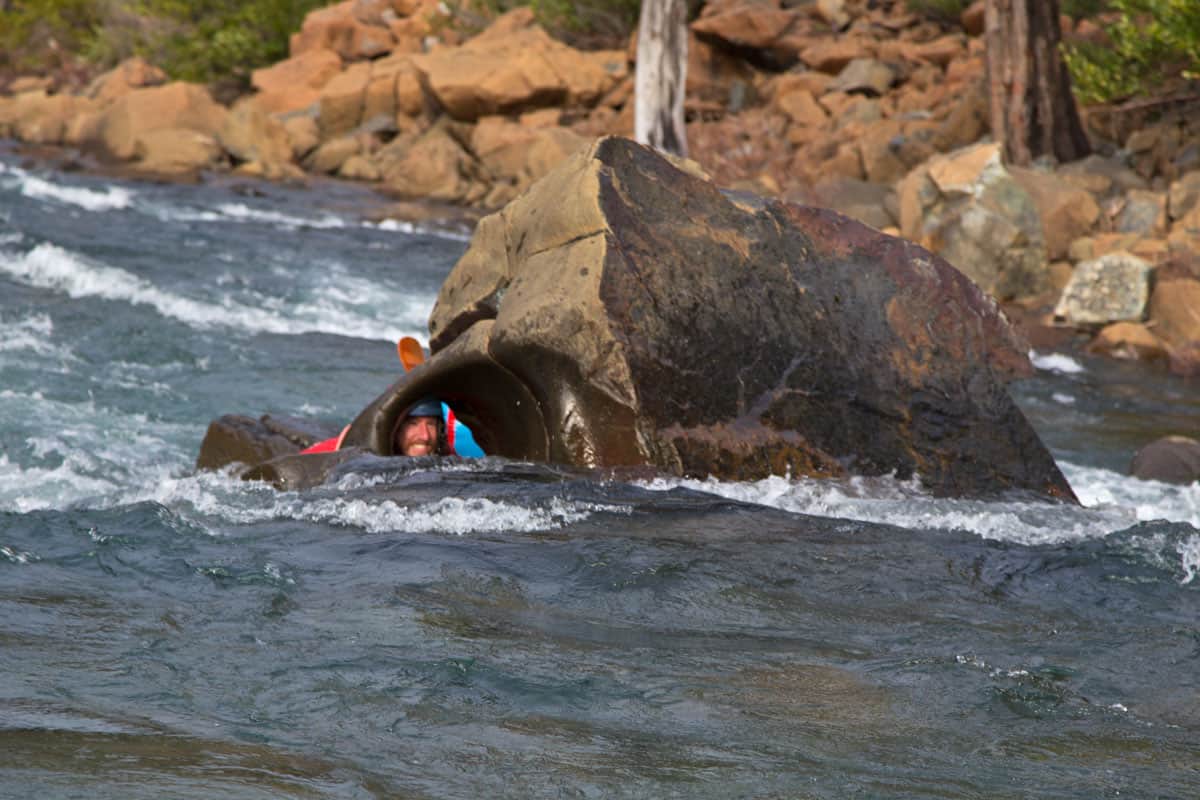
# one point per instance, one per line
(1171, 459)
(626, 312)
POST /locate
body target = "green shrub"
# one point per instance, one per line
(35, 34)
(1150, 42)
(206, 40)
(1079, 9)
(607, 20)
(198, 40)
(946, 10)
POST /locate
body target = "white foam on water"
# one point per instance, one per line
(1056, 362)
(1145, 500)
(48, 266)
(1189, 552)
(357, 306)
(1110, 501)
(240, 212)
(108, 199)
(453, 515)
(31, 334)
(906, 505)
(223, 496)
(400, 226)
(81, 452)
(36, 488)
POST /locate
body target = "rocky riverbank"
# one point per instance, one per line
(859, 106)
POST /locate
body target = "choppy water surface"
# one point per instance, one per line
(507, 630)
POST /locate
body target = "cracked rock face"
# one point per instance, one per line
(624, 311)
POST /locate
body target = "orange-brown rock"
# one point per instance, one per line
(359, 168)
(526, 69)
(880, 146)
(972, 18)
(83, 128)
(1067, 213)
(832, 56)
(342, 101)
(41, 118)
(295, 83)
(756, 25)
(801, 108)
(1128, 340)
(32, 83)
(375, 12)
(178, 105)
(940, 51)
(331, 155)
(175, 152)
(249, 133)
(303, 134)
(1175, 311)
(435, 166)
(517, 154)
(337, 28)
(132, 73)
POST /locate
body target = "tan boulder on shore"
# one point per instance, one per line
(132, 73)
(295, 83)
(249, 133)
(179, 105)
(515, 155)
(521, 70)
(175, 152)
(338, 28)
(41, 118)
(435, 167)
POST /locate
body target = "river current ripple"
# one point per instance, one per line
(496, 629)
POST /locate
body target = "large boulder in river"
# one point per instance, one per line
(623, 311)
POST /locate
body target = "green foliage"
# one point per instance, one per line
(1080, 9)
(40, 33)
(203, 40)
(200, 40)
(947, 10)
(600, 19)
(1149, 42)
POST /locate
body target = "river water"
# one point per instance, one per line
(514, 630)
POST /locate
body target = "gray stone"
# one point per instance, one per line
(1183, 195)
(1112, 288)
(967, 208)
(861, 200)
(1143, 212)
(866, 76)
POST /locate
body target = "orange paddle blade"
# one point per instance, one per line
(410, 352)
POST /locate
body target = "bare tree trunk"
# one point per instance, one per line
(1033, 110)
(661, 76)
